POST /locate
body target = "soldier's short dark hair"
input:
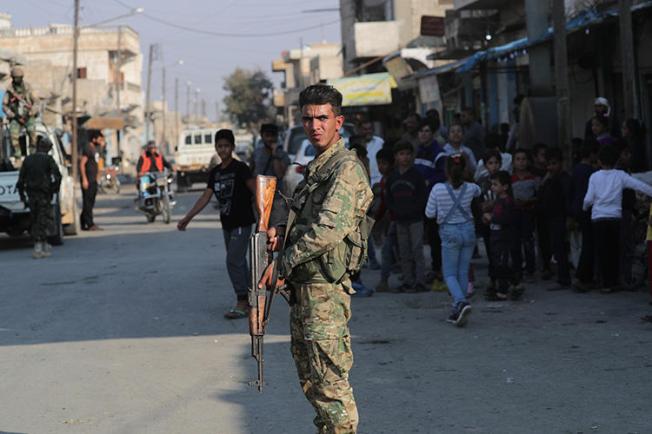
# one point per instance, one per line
(268, 128)
(225, 135)
(320, 94)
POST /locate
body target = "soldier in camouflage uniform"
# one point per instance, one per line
(20, 106)
(326, 242)
(39, 178)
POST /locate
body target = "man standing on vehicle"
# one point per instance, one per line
(327, 222)
(20, 107)
(88, 171)
(271, 160)
(152, 161)
(40, 178)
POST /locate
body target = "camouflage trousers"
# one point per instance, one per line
(321, 348)
(41, 213)
(15, 128)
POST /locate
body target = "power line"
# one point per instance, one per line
(227, 35)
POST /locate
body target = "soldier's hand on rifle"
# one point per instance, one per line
(266, 279)
(274, 239)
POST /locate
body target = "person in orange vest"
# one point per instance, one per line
(152, 161)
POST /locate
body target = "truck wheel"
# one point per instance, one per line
(57, 238)
(183, 183)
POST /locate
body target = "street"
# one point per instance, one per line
(121, 331)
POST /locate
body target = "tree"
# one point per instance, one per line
(249, 97)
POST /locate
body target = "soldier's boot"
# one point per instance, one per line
(38, 250)
(47, 249)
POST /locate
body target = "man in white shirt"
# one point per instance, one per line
(373, 144)
(605, 195)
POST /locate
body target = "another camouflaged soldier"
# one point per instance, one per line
(327, 234)
(40, 178)
(20, 106)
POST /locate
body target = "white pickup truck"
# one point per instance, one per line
(193, 155)
(14, 214)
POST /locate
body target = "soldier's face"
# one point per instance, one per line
(321, 125)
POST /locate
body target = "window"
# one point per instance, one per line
(188, 139)
(81, 72)
(197, 140)
(208, 139)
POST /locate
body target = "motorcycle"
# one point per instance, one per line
(155, 195)
(109, 182)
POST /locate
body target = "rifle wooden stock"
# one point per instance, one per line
(259, 259)
(265, 189)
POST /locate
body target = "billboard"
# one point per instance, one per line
(369, 89)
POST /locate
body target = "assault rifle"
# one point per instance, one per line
(260, 298)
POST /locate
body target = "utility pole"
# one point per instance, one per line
(196, 103)
(75, 49)
(301, 80)
(118, 86)
(176, 109)
(630, 82)
(561, 77)
(188, 84)
(203, 108)
(164, 111)
(148, 94)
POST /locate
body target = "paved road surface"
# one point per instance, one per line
(121, 331)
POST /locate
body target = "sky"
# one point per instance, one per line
(207, 58)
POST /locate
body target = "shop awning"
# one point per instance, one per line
(105, 122)
(588, 18)
(368, 89)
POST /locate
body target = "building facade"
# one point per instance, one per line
(108, 73)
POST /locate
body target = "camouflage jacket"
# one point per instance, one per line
(19, 102)
(39, 174)
(330, 205)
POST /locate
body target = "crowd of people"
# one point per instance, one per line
(541, 213)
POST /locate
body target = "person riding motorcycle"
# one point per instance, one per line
(152, 161)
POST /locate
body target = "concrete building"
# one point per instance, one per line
(301, 67)
(373, 29)
(108, 72)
